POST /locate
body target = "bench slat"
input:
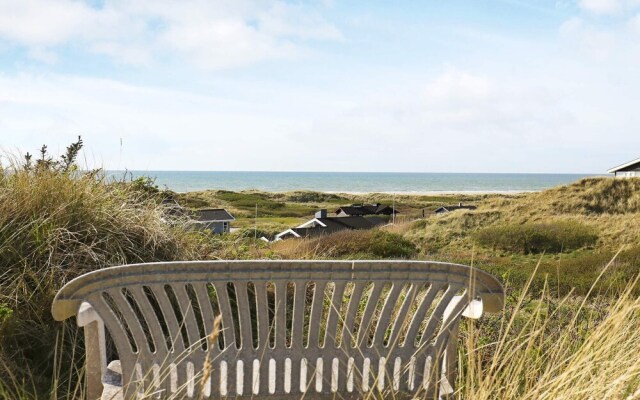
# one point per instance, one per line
(330, 339)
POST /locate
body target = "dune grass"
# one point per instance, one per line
(555, 237)
(56, 223)
(555, 348)
(579, 227)
(360, 244)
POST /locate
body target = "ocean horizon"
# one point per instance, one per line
(353, 182)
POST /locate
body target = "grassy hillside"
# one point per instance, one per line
(572, 230)
(611, 206)
(302, 204)
(590, 221)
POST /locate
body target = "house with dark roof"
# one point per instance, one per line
(217, 220)
(322, 224)
(365, 209)
(630, 169)
(453, 207)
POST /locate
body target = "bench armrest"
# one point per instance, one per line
(95, 349)
(473, 310)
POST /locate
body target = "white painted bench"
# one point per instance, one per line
(325, 329)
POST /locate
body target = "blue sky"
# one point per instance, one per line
(433, 86)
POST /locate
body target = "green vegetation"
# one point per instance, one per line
(579, 227)
(303, 204)
(54, 225)
(315, 197)
(549, 347)
(365, 244)
(243, 204)
(540, 237)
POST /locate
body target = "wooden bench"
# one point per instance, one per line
(325, 329)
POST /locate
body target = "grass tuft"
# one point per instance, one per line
(550, 237)
(57, 223)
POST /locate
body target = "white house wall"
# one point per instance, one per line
(628, 174)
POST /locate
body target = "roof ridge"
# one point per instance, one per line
(623, 166)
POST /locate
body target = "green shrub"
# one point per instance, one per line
(314, 197)
(364, 244)
(267, 230)
(537, 237)
(390, 245)
(247, 202)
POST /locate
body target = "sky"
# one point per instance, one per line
(546, 86)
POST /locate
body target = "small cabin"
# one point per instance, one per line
(322, 224)
(627, 170)
(217, 220)
(355, 210)
(453, 207)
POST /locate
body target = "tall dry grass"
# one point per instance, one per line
(550, 348)
(56, 223)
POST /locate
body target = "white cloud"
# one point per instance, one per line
(159, 127)
(456, 120)
(297, 21)
(634, 24)
(43, 55)
(608, 7)
(460, 120)
(42, 23)
(215, 35)
(601, 6)
(598, 43)
(226, 43)
(529, 104)
(610, 41)
(457, 86)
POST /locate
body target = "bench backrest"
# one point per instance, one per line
(288, 327)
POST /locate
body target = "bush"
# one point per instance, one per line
(247, 202)
(268, 230)
(537, 237)
(314, 197)
(364, 244)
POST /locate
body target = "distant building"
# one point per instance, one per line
(627, 170)
(449, 208)
(217, 220)
(365, 209)
(324, 225)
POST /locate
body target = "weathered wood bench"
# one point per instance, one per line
(325, 329)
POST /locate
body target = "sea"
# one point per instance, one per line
(352, 182)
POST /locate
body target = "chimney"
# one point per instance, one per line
(321, 213)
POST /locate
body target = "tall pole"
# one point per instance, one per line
(255, 224)
(393, 209)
